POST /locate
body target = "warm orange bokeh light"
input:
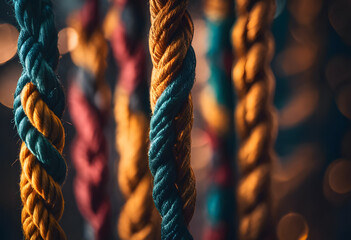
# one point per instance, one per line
(67, 40)
(340, 18)
(292, 226)
(343, 100)
(299, 108)
(8, 82)
(340, 176)
(8, 42)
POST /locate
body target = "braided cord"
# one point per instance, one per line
(38, 107)
(89, 99)
(138, 219)
(172, 78)
(255, 115)
(217, 105)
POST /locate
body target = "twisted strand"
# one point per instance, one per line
(138, 219)
(38, 107)
(173, 61)
(218, 110)
(89, 99)
(255, 115)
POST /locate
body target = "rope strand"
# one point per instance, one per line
(172, 78)
(38, 107)
(255, 115)
(89, 102)
(138, 219)
(217, 105)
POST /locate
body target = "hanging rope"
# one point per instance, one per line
(217, 105)
(89, 102)
(138, 219)
(38, 107)
(172, 78)
(255, 115)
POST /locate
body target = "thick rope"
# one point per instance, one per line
(172, 78)
(138, 219)
(89, 99)
(217, 105)
(255, 115)
(38, 107)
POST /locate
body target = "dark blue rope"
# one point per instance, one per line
(38, 53)
(161, 157)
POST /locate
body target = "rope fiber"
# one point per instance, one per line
(38, 107)
(255, 115)
(138, 219)
(217, 106)
(89, 102)
(172, 78)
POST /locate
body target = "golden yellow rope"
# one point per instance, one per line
(255, 115)
(41, 196)
(170, 37)
(138, 219)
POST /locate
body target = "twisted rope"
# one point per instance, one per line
(89, 99)
(38, 107)
(255, 117)
(217, 105)
(172, 78)
(138, 219)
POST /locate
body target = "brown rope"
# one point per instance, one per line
(255, 115)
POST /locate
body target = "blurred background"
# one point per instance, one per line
(311, 179)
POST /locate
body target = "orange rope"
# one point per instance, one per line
(255, 115)
(171, 34)
(138, 219)
(41, 196)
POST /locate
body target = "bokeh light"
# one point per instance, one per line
(338, 71)
(8, 82)
(300, 107)
(292, 226)
(340, 176)
(8, 42)
(67, 40)
(340, 18)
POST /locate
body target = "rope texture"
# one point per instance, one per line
(255, 115)
(38, 107)
(217, 105)
(138, 219)
(172, 78)
(89, 102)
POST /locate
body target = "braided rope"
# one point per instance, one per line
(172, 78)
(89, 99)
(38, 107)
(138, 219)
(217, 105)
(255, 115)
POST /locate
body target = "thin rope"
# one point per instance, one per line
(172, 78)
(138, 219)
(38, 107)
(217, 105)
(255, 115)
(89, 102)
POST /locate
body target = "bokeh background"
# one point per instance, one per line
(311, 179)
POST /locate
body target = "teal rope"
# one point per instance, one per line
(219, 44)
(38, 53)
(220, 202)
(161, 157)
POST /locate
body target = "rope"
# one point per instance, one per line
(89, 101)
(217, 105)
(38, 107)
(255, 115)
(138, 219)
(172, 78)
